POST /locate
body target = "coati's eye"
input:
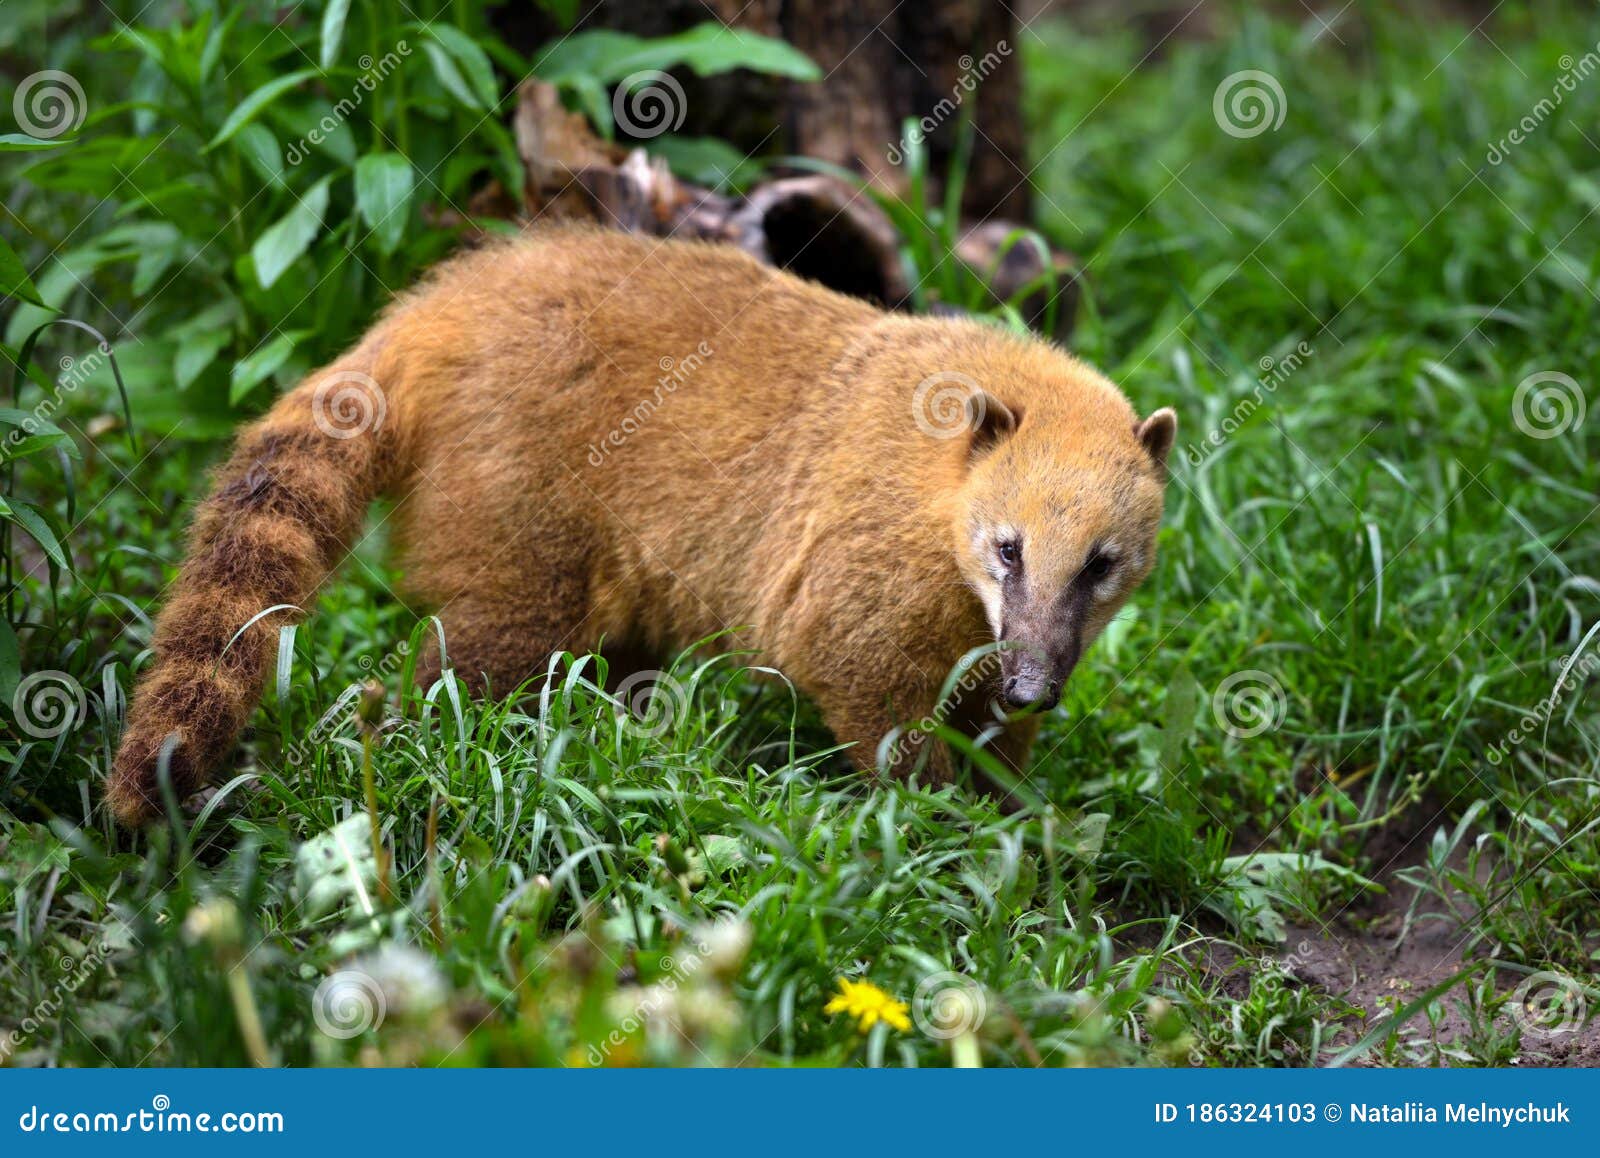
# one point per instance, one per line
(1097, 567)
(1010, 553)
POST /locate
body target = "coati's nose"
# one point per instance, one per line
(1026, 689)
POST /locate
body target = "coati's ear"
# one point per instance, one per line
(989, 420)
(1158, 433)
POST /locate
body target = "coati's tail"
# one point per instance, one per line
(282, 514)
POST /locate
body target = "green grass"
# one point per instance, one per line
(1378, 555)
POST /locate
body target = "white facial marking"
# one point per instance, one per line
(989, 593)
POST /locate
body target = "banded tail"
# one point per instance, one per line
(283, 512)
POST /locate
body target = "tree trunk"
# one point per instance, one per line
(931, 60)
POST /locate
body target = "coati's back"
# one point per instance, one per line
(679, 394)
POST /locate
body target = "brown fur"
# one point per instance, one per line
(783, 487)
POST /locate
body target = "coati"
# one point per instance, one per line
(594, 437)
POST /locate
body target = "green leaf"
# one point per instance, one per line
(196, 351)
(333, 30)
(705, 160)
(706, 49)
(585, 55)
(564, 11)
(32, 521)
(723, 853)
(11, 416)
(20, 143)
(473, 62)
(384, 183)
(250, 108)
(1177, 719)
(712, 47)
(151, 264)
(287, 238)
(35, 444)
(259, 146)
(444, 67)
(254, 368)
(10, 662)
(14, 279)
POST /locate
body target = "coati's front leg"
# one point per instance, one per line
(856, 719)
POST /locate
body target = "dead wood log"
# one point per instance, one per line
(817, 226)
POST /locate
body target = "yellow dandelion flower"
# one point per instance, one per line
(869, 1005)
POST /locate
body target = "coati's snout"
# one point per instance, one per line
(1042, 638)
(1031, 679)
(1035, 663)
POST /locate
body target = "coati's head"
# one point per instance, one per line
(1056, 521)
